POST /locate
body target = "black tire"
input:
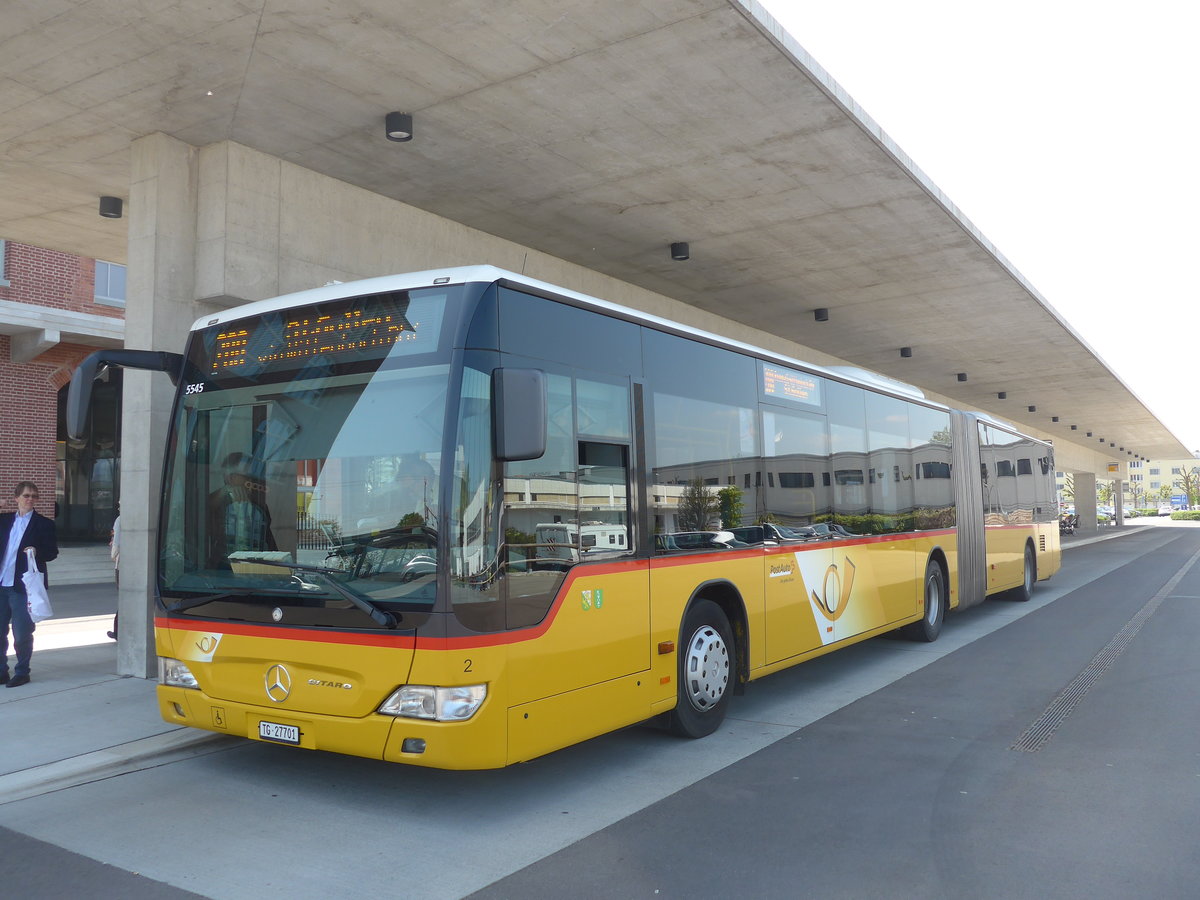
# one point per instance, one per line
(1028, 577)
(706, 670)
(929, 626)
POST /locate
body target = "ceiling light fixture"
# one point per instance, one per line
(110, 207)
(905, 352)
(680, 251)
(821, 315)
(398, 126)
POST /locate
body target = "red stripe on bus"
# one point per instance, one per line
(500, 639)
(291, 633)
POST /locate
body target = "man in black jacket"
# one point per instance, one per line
(19, 530)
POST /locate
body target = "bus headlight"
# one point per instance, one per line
(442, 704)
(176, 674)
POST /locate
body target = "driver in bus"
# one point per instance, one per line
(238, 517)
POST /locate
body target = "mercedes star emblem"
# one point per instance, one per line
(279, 683)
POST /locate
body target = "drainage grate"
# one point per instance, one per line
(1044, 726)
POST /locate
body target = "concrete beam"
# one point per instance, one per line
(29, 345)
(75, 327)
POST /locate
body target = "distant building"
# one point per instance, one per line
(1157, 481)
(1150, 483)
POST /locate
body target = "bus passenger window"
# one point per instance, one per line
(800, 442)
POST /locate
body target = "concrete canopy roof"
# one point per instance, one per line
(596, 133)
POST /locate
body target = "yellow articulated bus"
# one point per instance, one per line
(462, 518)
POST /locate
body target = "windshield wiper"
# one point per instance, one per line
(379, 616)
(189, 602)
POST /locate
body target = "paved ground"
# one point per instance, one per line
(889, 769)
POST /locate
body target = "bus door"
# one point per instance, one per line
(610, 592)
(803, 581)
(1007, 512)
(591, 596)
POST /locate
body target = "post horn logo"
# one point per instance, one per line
(278, 683)
(835, 591)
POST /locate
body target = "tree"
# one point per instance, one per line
(697, 507)
(1137, 494)
(1189, 483)
(729, 499)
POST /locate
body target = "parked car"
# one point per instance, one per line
(773, 534)
(831, 530)
(1165, 509)
(696, 540)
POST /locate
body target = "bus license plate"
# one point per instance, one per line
(283, 734)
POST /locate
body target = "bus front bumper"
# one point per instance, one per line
(479, 743)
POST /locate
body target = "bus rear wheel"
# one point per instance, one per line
(706, 668)
(929, 626)
(1028, 578)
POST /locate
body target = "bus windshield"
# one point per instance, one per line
(303, 486)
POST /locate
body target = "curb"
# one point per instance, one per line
(144, 753)
(1083, 542)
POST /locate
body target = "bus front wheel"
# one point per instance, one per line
(705, 671)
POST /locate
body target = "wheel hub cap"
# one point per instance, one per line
(706, 668)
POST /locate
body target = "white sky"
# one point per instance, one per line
(1066, 132)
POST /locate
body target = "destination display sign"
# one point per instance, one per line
(779, 383)
(352, 330)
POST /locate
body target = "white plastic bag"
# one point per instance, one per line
(35, 589)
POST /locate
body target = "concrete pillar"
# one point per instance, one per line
(1119, 500)
(1085, 501)
(159, 311)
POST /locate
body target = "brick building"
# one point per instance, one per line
(55, 308)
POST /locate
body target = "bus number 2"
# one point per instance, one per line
(466, 665)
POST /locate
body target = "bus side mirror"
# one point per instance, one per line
(79, 396)
(519, 413)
